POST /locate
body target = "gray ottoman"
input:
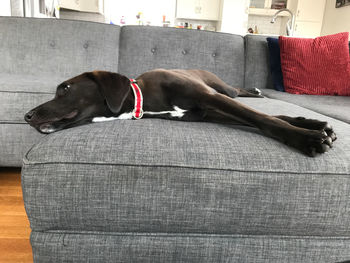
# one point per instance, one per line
(165, 191)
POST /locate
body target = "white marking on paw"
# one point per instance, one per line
(177, 112)
(47, 130)
(257, 91)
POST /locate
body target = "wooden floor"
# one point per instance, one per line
(14, 225)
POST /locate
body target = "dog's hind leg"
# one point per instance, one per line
(225, 89)
(220, 86)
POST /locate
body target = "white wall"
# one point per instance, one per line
(335, 20)
(153, 10)
(5, 7)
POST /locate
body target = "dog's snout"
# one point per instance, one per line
(29, 115)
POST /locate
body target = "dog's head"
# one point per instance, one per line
(79, 100)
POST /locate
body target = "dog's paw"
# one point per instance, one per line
(314, 142)
(317, 125)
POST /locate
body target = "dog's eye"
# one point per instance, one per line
(66, 88)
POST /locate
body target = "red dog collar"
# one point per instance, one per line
(138, 111)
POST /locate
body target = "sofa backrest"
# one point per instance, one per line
(29, 46)
(257, 63)
(146, 48)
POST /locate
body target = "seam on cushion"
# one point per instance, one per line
(38, 18)
(306, 107)
(13, 122)
(26, 162)
(29, 92)
(199, 235)
(245, 46)
(303, 107)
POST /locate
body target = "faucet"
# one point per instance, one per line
(290, 22)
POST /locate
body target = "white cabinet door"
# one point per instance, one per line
(94, 6)
(234, 18)
(309, 17)
(310, 10)
(5, 8)
(307, 29)
(198, 9)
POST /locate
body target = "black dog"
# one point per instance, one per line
(186, 95)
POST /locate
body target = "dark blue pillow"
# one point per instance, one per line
(275, 63)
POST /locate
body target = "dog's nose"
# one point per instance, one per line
(28, 116)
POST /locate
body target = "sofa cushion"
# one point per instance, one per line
(19, 93)
(319, 66)
(146, 48)
(175, 248)
(163, 176)
(336, 107)
(53, 46)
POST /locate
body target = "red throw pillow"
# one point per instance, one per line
(319, 66)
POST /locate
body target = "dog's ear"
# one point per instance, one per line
(114, 88)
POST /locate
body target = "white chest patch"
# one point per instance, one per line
(177, 113)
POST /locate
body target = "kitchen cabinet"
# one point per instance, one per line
(308, 10)
(308, 17)
(307, 29)
(94, 6)
(234, 16)
(198, 9)
(5, 8)
(266, 7)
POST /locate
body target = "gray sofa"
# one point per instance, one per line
(165, 191)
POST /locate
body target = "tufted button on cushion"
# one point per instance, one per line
(52, 43)
(184, 49)
(86, 45)
(153, 50)
(214, 55)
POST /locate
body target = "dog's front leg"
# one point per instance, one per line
(308, 141)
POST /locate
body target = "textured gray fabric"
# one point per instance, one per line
(179, 177)
(32, 83)
(36, 55)
(15, 141)
(257, 63)
(133, 247)
(65, 48)
(18, 95)
(337, 107)
(13, 105)
(146, 48)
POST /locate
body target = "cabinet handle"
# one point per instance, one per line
(296, 27)
(298, 13)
